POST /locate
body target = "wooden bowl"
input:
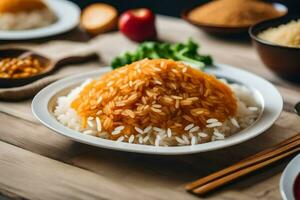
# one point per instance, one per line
(283, 61)
(15, 82)
(225, 30)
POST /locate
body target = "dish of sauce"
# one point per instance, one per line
(297, 188)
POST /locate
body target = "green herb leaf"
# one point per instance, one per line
(187, 52)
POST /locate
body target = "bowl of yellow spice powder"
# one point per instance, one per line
(231, 17)
(277, 42)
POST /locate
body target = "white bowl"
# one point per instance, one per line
(68, 15)
(288, 179)
(265, 93)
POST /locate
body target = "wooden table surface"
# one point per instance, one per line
(35, 163)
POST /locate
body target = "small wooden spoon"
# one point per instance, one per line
(51, 64)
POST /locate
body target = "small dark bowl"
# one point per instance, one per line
(282, 60)
(16, 82)
(219, 30)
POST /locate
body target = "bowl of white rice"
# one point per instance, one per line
(151, 117)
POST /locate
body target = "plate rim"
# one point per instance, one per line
(41, 112)
(286, 184)
(51, 30)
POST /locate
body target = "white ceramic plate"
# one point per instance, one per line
(288, 179)
(265, 93)
(68, 15)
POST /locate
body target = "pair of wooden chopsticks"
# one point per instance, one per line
(246, 166)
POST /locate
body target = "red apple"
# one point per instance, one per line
(138, 24)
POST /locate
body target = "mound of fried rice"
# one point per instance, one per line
(158, 102)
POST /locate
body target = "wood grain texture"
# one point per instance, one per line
(246, 166)
(32, 176)
(35, 162)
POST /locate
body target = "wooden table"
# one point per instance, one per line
(35, 163)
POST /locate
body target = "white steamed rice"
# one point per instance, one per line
(27, 20)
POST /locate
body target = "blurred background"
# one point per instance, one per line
(171, 8)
